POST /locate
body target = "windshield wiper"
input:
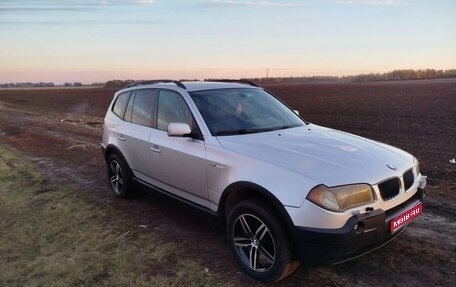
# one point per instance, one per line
(252, 131)
(289, 126)
(283, 127)
(236, 132)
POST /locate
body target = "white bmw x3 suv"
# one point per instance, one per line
(287, 190)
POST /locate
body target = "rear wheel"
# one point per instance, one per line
(118, 176)
(259, 242)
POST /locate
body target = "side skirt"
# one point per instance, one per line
(188, 202)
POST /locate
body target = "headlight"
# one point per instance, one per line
(416, 166)
(341, 198)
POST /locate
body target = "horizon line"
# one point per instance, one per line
(340, 77)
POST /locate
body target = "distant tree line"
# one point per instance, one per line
(396, 75)
(400, 75)
(118, 83)
(40, 84)
(27, 85)
(74, 84)
(297, 79)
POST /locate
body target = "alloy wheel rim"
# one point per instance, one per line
(116, 177)
(254, 242)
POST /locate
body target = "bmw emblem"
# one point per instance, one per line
(390, 166)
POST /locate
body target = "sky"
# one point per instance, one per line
(93, 41)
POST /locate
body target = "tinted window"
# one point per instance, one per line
(121, 104)
(172, 109)
(144, 107)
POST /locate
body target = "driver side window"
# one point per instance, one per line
(172, 109)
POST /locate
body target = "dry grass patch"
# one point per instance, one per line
(49, 236)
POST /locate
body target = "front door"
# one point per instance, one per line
(178, 163)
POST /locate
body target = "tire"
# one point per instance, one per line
(119, 176)
(259, 241)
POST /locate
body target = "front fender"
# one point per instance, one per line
(226, 168)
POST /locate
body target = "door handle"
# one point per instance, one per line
(155, 148)
(218, 166)
(121, 137)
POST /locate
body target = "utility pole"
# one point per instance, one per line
(267, 73)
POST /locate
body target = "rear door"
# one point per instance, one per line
(140, 117)
(115, 125)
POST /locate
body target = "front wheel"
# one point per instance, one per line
(118, 176)
(259, 242)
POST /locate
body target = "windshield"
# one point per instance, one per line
(242, 111)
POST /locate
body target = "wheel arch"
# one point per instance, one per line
(242, 190)
(112, 149)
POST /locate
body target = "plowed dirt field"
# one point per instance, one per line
(60, 129)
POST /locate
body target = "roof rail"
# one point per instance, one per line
(141, 83)
(241, 81)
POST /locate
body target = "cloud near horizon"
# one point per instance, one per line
(75, 13)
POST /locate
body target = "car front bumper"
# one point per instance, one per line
(361, 234)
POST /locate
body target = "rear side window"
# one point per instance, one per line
(143, 112)
(121, 104)
(129, 110)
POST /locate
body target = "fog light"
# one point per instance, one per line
(359, 227)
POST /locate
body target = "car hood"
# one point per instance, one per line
(324, 155)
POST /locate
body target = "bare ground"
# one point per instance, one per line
(61, 131)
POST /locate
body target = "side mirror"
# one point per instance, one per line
(178, 129)
(296, 112)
